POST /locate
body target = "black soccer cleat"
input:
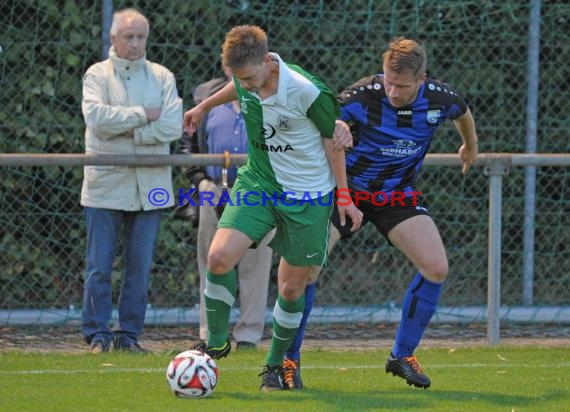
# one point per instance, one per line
(215, 353)
(292, 374)
(409, 369)
(271, 378)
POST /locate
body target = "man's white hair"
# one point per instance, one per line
(120, 15)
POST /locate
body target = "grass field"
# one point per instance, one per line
(465, 379)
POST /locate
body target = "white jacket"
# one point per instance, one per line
(115, 92)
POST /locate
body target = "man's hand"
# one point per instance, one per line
(206, 185)
(353, 212)
(152, 113)
(468, 156)
(192, 119)
(342, 138)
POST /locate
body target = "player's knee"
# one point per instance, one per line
(290, 292)
(437, 270)
(218, 261)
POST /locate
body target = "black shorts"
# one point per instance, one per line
(385, 218)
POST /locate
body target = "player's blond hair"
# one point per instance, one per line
(122, 15)
(244, 45)
(406, 55)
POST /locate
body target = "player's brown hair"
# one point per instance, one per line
(406, 55)
(244, 45)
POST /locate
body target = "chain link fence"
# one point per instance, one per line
(480, 47)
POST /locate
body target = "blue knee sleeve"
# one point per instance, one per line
(420, 303)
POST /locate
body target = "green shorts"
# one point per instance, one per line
(302, 226)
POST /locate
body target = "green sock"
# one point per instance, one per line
(220, 295)
(286, 320)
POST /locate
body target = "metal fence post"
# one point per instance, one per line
(531, 142)
(106, 20)
(495, 169)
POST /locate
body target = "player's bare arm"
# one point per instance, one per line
(468, 151)
(338, 166)
(194, 116)
(342, 138)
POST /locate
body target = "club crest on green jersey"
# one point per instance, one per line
(283, 123)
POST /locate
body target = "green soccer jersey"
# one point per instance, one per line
(286, 152)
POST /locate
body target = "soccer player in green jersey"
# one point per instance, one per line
(295, 161)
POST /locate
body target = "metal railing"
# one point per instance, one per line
(496, 166)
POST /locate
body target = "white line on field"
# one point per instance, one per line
(111, 369)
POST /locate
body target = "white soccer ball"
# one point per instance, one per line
(192, 374)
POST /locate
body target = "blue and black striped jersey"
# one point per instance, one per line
(391, 143)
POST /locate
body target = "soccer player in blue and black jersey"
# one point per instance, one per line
(394, 116)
